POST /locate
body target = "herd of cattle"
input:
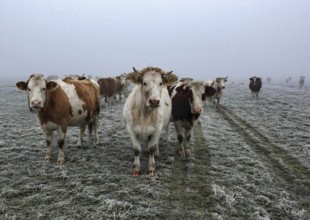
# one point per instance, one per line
(157, 98)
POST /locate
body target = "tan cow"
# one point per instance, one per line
(147, 111)
(63, 103)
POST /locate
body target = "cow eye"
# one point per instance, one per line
(161, 83)
(29, 89)
(144, 83)
(43, 89)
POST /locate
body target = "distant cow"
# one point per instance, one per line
(50, 77)
(63, 103)
(301, 81)
(107, 89)
(147, 111)
(288, 80)
(187, 105)
(255, 86)
(121, 85)
(268, 79)
(219, 85)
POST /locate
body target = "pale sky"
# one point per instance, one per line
(202, 39)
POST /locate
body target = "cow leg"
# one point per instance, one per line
(180, 136)
(61, 143)
(188, 134)
(90, 132)
(48, 137)
(153, 150)
(168, 139)
(136, 149)
(96, 129)
(80, 140)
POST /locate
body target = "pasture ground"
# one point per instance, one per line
(250, 160)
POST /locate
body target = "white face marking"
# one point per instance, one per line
(36, 91)
(221, 82)
(122, 80)
(152, 85)
(197, 89)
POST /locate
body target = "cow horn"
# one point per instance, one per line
(134, 69)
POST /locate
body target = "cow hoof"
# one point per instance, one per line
(151, 172)
(60, 161)
(187, 152)
(182, 153)
(136, 173)
(48, 159)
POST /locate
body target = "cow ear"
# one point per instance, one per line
(21, 85)
(169, 78)
(51, 85)
(134, 77)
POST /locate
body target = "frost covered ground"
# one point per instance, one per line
(250, 160)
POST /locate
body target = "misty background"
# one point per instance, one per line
(202, 39)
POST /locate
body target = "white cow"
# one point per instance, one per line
(218, 84)
(147, 111)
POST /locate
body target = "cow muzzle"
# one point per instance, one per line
(36, 104)
(154, 103)
(197, 110)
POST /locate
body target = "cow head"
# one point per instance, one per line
(209, 89)
(221, 83)
(196, 90)
(122, 79)
(255, 79)
(152, 80)
(36, 88)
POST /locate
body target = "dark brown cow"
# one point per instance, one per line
(107, 89)
(255, 86)
(63, 103)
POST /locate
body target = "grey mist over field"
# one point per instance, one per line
(201, 38)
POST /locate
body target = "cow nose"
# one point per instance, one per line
(197, 110)
(223, 87)
(35, 103)
(154, 102)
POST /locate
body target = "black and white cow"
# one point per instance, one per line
(219, 85)
(187, 104)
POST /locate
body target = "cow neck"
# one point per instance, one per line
(46, 113)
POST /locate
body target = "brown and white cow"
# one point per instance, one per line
(187, 105)
(301, 81)
(255, 85)
(63, 103)
(147, 111)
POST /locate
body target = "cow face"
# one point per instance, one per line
(196, 90)
(255, 79)
(122, 79)
(36, 88)
(152, 81)
(221, 83)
